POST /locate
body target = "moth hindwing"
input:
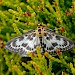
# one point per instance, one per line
(43, 37)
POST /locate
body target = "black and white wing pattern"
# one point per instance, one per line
(46, 39)
(24, 43)
(52, 41)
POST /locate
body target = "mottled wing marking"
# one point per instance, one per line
(24, 43)
(52, 41)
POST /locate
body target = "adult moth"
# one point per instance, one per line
(43, 37)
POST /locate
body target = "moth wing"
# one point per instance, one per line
(23, 44)
(52, 41)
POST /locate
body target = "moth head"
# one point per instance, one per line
(41, 25)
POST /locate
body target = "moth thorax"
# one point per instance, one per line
(40, 30)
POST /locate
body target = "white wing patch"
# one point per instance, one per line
(23, 44)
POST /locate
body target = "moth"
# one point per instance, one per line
(43, 37)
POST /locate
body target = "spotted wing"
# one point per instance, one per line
(52, 41)
(23, 44)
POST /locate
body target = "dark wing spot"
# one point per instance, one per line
(65, 42)
(51, 48)
(54, 44)
(18, 45)
(61, 49)
(21, 51)
(63, 45)
(31, 38)
(32, 48)
(66, 48)
(59, 45)
(47, 38)
(21, 38)
(24, 44)
(69, 44)
(35, 46)
(47, 48)
(9, 46)
(57, 37)
(28, 48)
(50, 36)
(20, 48)
(14, 43)
(16, 50)
(34, 35)
(45, 45)
(25, 34)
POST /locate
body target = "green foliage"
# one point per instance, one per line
(17, 17)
